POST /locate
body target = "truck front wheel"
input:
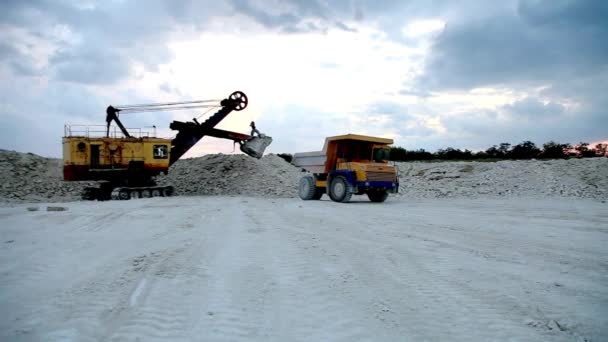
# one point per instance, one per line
(377, 195)
(340, 190)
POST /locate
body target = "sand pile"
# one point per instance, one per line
(585, 178)
(237, 174)
(31, 178)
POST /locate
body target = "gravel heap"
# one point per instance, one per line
(233, 174)
(583, 178)
(31, 178)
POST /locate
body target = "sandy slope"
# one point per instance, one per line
(565, 178)
(226, 269)
(33, 178)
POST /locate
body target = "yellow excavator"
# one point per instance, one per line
(125, 164)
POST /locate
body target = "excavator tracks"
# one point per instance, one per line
(126, 193)
(105, 193)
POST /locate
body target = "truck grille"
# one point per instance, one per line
(380, 176)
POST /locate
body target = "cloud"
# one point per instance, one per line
(94, 66)
(100, 43)
(35, 122)
(527, 119)
(17, 61)
(292, 16)
(465, 74)
(386, 115)
(532, 108)
(539, 41)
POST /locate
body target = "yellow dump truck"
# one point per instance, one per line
(348, 165)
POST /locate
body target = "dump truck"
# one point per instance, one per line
(348, 165)
(125, 162)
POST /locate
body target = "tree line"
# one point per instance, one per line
(524, 150)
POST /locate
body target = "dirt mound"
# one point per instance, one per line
(220, 174)
(584, 178)
(31, 178)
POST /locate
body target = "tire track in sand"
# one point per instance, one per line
(312, 302)
(166, 300)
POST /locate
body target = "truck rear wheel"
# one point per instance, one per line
(377, 195)
(340, 190)
(306, 188)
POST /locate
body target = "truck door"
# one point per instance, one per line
(94, 156)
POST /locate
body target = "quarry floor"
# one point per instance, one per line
(256, 269)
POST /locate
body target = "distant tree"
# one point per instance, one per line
(451, 153)
(582, 147)
(590, 153)
(493, 152)
(601, 150)
(525, 150)
(503, 149)
(583, 150)
(500, 151)
(481, 155)
(554, 149)
(419, 154)
(398, 154)
(467, 154)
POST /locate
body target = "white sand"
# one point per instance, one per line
(256, 269)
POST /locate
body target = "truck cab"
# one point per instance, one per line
(348, 164)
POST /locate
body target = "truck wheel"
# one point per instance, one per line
(377, 196)
(340, 190)
(306, 188)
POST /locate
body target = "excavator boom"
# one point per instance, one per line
(190, 132)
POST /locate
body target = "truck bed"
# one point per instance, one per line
(313, 162)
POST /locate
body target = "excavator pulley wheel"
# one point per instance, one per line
(241, 98)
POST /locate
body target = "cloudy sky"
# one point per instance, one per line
(430, 74)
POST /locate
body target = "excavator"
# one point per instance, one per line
(125, 164)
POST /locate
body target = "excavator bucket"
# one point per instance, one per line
(256, 146)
